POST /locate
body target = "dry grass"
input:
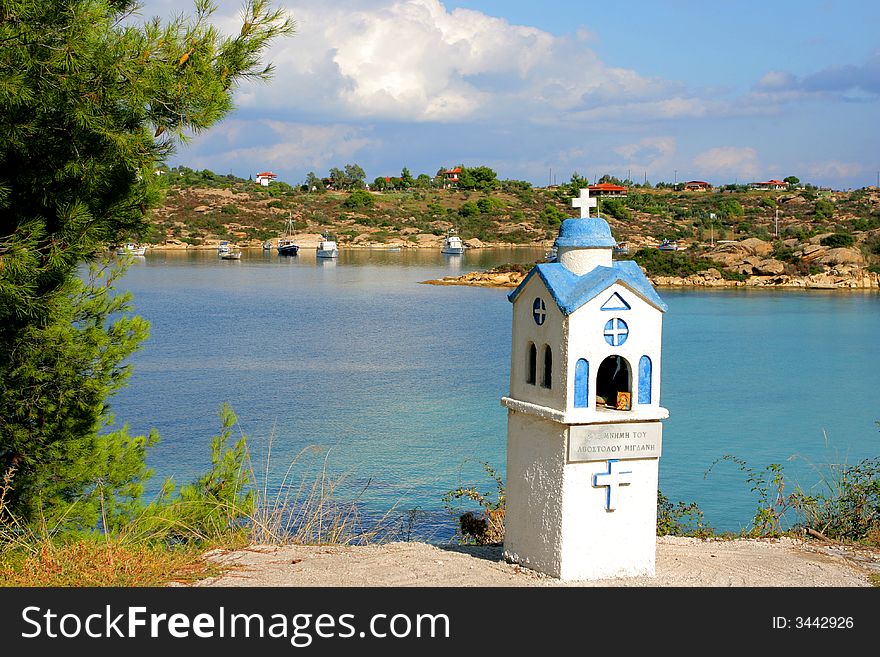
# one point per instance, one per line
(101, 563)
(306, 512)
(39, 557)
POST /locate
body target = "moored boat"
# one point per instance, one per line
(327, 248)
(666, 245)
(452, 244)
(131, 248)
(286, 245)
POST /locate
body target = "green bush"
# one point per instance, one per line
(490, 204)
(675, 263)
(824, 209)
(616, 209)
(551, 215)
(469, 209)
(837, 240)
(359, 199)
(680, 519)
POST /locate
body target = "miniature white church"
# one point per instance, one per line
(584, 432)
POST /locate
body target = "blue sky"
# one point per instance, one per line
(678, 90)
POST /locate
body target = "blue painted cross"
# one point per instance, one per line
(613, 479)
(616, 332)
(539, 311)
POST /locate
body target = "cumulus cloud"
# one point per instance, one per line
(416, 60)
(726, 161)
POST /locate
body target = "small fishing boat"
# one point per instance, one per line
(267, 245)
(130, 248)
(621, 248)
(327, 248)
(231, 255)
(286, 245)
(452, 244)
(666, 245)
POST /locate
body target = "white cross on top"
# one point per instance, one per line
(584, 202)
(613, 479)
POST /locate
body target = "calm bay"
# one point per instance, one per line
(401, 382)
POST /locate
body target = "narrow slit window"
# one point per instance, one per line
(548, 367)
(532, 372)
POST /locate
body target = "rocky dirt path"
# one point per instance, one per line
(682, 562)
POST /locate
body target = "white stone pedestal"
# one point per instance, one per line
(582, 499)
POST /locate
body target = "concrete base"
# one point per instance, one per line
(556, 520)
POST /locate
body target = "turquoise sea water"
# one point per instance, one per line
(401, 382)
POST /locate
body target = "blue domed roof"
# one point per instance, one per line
(586, 233)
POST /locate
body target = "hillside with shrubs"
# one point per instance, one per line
(731, 233)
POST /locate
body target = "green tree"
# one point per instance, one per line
(340, 180)
(313, 183)
(479, 178)
(354, 176)
(406, 179)
(793, 181)
(90, 105)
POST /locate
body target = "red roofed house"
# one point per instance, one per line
(697, 186)
(450, 177)
(607, 189)
(265, 178)
(770, 184)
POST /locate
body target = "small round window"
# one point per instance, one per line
(539, 311)
(616, 332)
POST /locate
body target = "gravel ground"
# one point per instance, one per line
(682, 562)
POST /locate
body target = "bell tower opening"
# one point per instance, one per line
(614, 376)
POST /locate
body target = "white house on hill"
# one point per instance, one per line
(265, 177)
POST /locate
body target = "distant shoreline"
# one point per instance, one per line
(869, 281)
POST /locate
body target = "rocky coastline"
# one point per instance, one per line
(751, 259)
(711, 278)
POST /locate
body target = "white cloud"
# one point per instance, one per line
(284, 145)
(835, 169)
(648, 152)
(415, 60)
(728, 161)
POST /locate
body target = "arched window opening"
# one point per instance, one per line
(548, 367)
(532, 365)
(612, 378)
(581, 384)
(645, 380)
